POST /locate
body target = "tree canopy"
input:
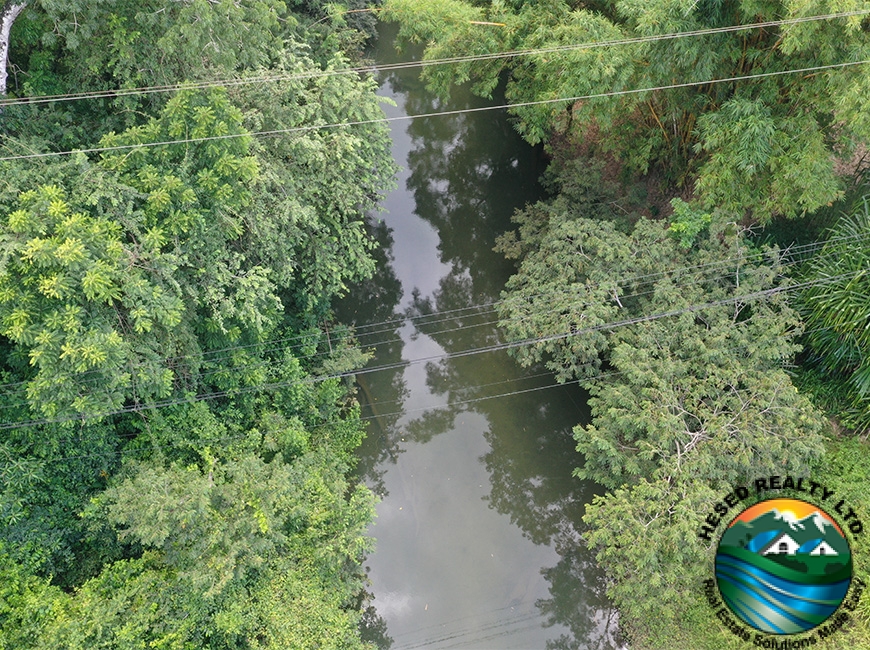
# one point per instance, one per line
(683, 328)
(721, 112)
(176, 436)
(680, 333)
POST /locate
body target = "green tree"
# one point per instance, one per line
(101, 285)
(239, 553)
(69, 293)
(646, 536)
(700, 373)
(316, 186)
(63, 46)
(176, 250)
(45, 478)
(679, 332)
(127, 44)
(198, 269)
(229, 524)
(27, 604)
(748, 146)
(709, 398)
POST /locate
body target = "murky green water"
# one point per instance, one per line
(478, 528)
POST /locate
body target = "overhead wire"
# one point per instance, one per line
(367, 346)
(430, 358)
(435, 407)
(380, 403)
(390, 67)
(523, 391)
(357, 331)
(459, 111)
(295, 129)
(539, 50)
(497, 55)
(438, 628)
(248, 367)
(239, 437)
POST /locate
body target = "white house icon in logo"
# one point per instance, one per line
(783, 544)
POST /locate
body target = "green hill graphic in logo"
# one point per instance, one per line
(783, 566)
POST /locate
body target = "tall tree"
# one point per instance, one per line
(688, 392)
(747, 145)
(117, 285)
(240, 553)
(154, 273)
(698, 374)
(97, 280)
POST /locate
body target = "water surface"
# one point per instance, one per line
(478, 529)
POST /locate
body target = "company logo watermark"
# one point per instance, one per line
(783, 573)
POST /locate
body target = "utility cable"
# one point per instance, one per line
(450, 404)
(460, 111)
(360, 346)
(437, 357)
(428, 319)
(316, 74)
(236, 438)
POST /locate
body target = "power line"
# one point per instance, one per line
(205, 355)
(549, 101)
(315, 74)
(488, 307)
(234, 438)
(361, 347)
(418, 322)
(461, 111)
(437, 357)
(431, 114)
(435, 407)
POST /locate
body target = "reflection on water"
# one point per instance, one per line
(478, 530)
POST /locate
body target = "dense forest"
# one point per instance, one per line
(176, 425)
(178, 419)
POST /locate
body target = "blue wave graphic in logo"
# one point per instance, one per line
(772, 603)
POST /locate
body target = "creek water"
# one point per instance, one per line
(478, 528)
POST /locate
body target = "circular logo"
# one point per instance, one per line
(783, 566)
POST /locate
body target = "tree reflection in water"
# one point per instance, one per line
(381, 393)
(467, 174)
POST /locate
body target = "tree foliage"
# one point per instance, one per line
(160, 252)
(176, 471)
(747, 143)
(837, 313)
(693, 375)
(681, 329)
(679, 332)
(70, 291)
(650, 529)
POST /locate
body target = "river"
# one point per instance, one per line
(478, 528)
